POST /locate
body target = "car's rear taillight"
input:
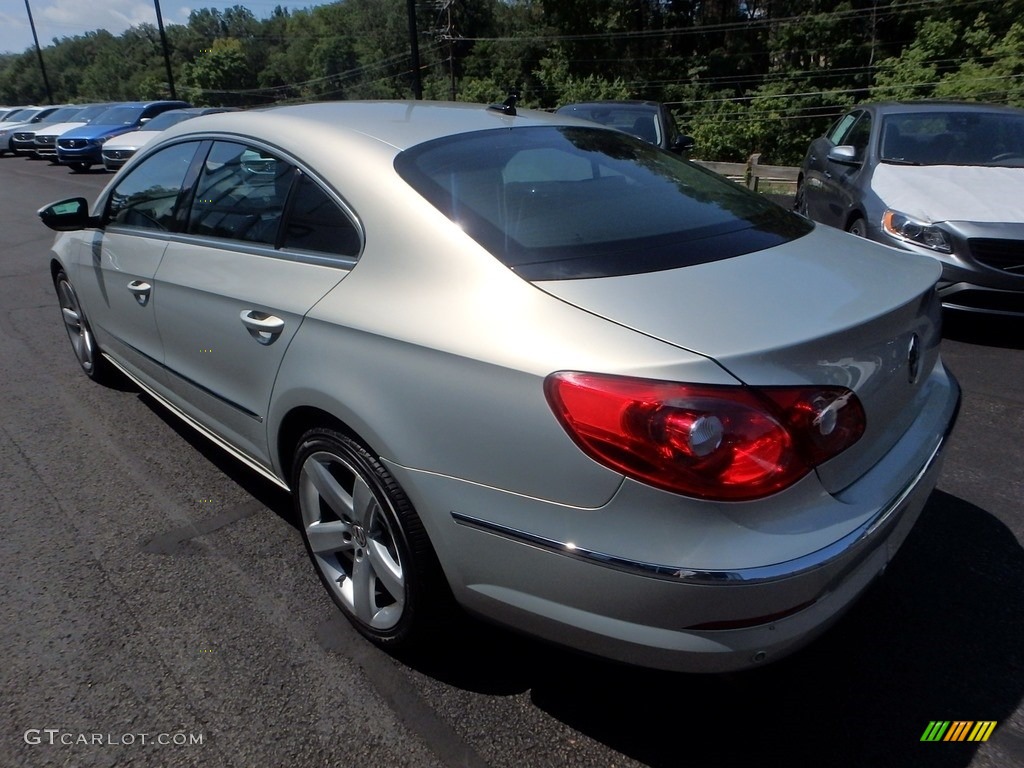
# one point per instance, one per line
(728, 443)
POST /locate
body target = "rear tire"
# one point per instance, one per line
(366, 541)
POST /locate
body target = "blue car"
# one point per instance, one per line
(81, 148)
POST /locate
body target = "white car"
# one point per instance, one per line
(45, 142)
(23, 119)
(118, 150)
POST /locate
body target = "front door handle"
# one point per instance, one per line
(141, 289)
(261, 326)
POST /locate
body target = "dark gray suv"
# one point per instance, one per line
(941, 178)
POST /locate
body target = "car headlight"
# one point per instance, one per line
(903, 227)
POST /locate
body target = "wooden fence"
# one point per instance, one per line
(753, 172)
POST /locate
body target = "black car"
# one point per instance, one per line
(651, 121)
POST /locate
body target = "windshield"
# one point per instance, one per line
(954, 138)
(62, 115)
(635, 120)
(91, 113)
(167, 119)
(567, 202)
(30, 115)
(119, 116)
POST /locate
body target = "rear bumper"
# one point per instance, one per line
(675, 614)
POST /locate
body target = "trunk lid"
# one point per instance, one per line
(826, 308)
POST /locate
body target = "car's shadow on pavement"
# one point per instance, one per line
(940, 637)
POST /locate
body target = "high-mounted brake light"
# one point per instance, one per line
(726, 443)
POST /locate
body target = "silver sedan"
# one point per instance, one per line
(526, 365)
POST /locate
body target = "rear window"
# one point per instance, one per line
(564, 202)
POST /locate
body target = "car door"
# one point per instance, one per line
(263, 243)
(840, 191)
(816, 164)
(117, 263)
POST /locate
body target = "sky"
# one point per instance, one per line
(67, 18)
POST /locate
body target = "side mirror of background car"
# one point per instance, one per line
(845, 154)
(683, 144)
(68, 215)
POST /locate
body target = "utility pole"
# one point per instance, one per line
(39, 53)
(417, 82)
(163, 42)
(447, 35)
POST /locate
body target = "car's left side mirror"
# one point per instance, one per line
(844, 154)
(683, 144)
(68, 215)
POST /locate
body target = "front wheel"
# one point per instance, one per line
(79, 167)
(800, 200)
(76, 324)
(365, 539)
(858, 227)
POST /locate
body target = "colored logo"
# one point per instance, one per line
(958, 730)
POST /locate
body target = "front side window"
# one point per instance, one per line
(839, 130)
(241, 194)
(859, 135)
(555, 202)
(148, 196)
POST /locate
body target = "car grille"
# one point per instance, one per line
(1005, 255)
(72, 143)
(45, 141)
(118, 154)
(24, 136)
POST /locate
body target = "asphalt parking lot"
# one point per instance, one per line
(158, 607)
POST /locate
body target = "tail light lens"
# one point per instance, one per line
(727, 443)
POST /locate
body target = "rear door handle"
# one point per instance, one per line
(261, 326)
(141, 289)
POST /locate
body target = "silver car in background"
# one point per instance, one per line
(118, 150)
(525, 363)
(940, 178)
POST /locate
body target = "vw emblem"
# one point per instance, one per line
(360, 535)
(914, 358)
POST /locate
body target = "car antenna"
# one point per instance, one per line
(508, 106)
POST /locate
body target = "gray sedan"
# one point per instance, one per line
(939, 178)
(527, 365)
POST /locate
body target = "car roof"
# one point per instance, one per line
(927, 105)
(400, 124)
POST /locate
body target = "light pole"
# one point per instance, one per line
(39, 53)
(163, 41)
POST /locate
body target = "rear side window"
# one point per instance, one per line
(148, 196)
(241, 194)
(316, 223)
(558, 202)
